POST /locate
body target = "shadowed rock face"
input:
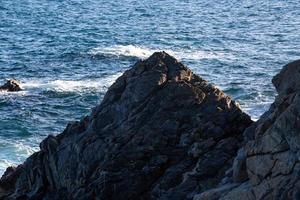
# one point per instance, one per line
(271, 156)
(11, 86)
(161, 132)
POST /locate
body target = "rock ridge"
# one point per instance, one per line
(160, 132)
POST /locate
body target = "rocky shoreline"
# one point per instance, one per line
(162, 132)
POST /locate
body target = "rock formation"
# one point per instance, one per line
(268, 167)
(11, 85)
(161, 132)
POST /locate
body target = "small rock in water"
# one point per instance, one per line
(11, 85)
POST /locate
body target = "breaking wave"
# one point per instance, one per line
(98, 84)
(144, 52)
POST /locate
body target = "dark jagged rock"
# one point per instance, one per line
(161, 132)
(271, 157)
(11, 85)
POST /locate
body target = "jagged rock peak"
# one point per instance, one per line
(161, 132)
(287, 81)
(169, 65)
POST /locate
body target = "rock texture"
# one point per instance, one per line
(268, 167)
(161, 132)
(11, 85)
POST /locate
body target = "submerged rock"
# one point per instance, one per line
(271, 157)
(11, 85)
(161, 132)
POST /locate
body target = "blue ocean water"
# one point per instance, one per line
(67, 52)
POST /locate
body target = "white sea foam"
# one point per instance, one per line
(4, 164)
(120, 50)
(6, 93)
(14, 152)
(70, 85)
(144, 52)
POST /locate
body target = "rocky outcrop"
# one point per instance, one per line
(161, 132)
(11, 85)
(268, 167)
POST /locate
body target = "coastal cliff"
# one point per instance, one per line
(161, 132)
(267, 166)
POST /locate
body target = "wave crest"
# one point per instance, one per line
(70, 85)
(144, 52)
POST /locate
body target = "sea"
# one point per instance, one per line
(66, 53)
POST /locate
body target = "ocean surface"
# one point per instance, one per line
(67, 53)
